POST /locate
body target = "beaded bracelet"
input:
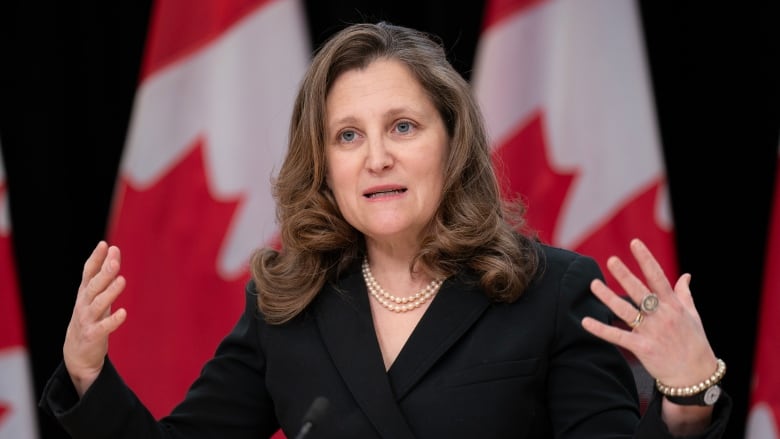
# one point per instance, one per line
(696, 388)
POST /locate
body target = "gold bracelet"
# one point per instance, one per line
(696, 388)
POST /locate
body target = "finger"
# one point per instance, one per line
(113, 321)
(631, 284)
(93, 263)
(683, 290)
(625, 339)
(101, 306)
(651, 269)
(103, 278)
(624, 310)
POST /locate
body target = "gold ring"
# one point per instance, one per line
(637, 320)
(649, 303)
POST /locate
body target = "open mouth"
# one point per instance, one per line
(386, 193)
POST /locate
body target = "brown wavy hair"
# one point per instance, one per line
(474, 227)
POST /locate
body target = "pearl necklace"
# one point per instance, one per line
(398, 304)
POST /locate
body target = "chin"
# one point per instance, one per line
(394, 234)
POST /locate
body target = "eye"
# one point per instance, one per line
(347, 136)
(404, 127)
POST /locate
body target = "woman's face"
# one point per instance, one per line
(385, 147)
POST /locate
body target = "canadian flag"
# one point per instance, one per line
(765, 397)
(567, 99)
(17, 408)
(193, 197)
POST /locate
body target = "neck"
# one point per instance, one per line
(391, 254)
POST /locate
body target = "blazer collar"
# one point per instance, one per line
(452, 312)
(343, 316)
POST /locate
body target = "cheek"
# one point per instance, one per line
(331, 171)
(340, 172)
(334, 180)
(437, 172)
(337, 187)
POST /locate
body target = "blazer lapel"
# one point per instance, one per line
(344, 319)
(452, 312)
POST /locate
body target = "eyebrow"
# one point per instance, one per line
(393, 112)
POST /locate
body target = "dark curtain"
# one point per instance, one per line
(68, 72)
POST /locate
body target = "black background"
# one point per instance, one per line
(69, 72)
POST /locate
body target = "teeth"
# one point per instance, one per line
(377, 194)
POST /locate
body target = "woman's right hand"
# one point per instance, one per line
(86, 339)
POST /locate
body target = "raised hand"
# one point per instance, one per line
(86, 339)
(669, 340)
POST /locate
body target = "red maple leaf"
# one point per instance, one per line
(179, 305)
(523, 166)
(524, 170)
(4, 412)
(634, 218)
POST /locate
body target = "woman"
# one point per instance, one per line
(407, 295)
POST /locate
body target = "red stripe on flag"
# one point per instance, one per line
(11, 323)
(765, 396)
(17, 414)
(180, 27)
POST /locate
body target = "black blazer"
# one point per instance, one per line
(471, 369)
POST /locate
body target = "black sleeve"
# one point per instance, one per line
(592, 390)
(652, 426)
(228, 399)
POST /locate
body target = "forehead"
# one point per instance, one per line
(382, 83)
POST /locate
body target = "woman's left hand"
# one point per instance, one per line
(669, 339)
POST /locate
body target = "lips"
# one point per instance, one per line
(379, 193)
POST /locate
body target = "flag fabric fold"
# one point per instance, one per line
(566, 94)
(18, 419)
(764, 408)
(193, 197)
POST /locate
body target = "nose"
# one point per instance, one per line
(379, 157)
